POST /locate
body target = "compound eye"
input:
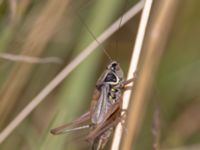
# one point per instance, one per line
(113, 67)
(110, 78)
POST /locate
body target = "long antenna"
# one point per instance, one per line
(94, 37)
(120, 22)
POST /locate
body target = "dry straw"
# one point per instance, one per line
(29, 59)
(133, 66)
(155, 40)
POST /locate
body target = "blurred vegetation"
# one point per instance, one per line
(53, 28)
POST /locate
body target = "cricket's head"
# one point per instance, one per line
(115, 73)
(114, 65)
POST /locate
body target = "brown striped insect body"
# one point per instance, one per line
(109, 85)
(104, 113)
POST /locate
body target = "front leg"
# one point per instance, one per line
(124, 84)
(125, 88)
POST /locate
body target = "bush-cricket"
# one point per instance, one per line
(105, 110)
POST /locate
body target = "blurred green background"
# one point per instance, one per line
(52, 28)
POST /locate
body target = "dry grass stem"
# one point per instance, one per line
(13, 9)
(41, 31)
(190, 147)
(156, 129)
(29, 59)
(133, 67)
(154, 45)
(65, 72)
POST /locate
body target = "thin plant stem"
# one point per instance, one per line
(66, 71)
(37, 38)
(155, 40)
(133, 67)
(29, 59)
(13, 9)
(186, 147)
(156, 128)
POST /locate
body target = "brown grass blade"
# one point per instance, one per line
(133, 66)
(156, 127)
(162, 16)
(40, 33)
(29, 59)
